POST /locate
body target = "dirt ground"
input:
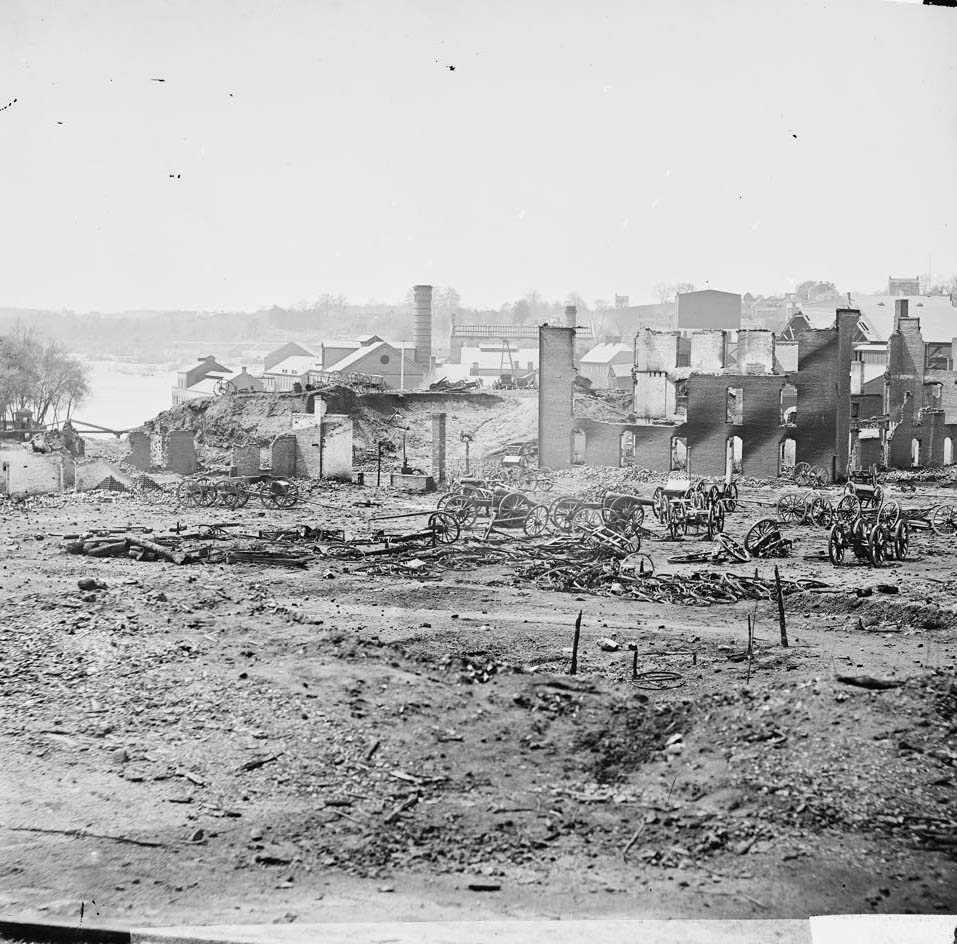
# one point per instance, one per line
(248, 743)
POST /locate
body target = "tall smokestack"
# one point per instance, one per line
(422, 332)
(571, 316)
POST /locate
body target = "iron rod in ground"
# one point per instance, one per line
(784, 630)
(750, 649)
(578, 632)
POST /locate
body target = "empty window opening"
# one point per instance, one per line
(788, 457)
(735, 461)
(933, 394)
(626, 455)
(948, 451)
(679, 453)
(578, 447)
(735, 406)
(681, 396)
(915, 452)
(789, 400)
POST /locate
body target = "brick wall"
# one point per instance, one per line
(930, 428)
(905, 363)
(823, 382)
(656, 350)
(309, 452)
(556, 360)
(438, 447)
(653, 446)
(708, 351)
(755, 352)
(602, 442)
(654, 395)
(30, 473)
(337, 448)
(140, 451)
(283, 455)
(181, 451)
(948, 391)
(247, 460)
(708, 430)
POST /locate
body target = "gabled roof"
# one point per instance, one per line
(609, 353)
(621, 370)
(296, 365)
(206, 386)
(938, 316)
(279, 354)
(375, 350)
(209, 362)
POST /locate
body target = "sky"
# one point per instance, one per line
(296, 148)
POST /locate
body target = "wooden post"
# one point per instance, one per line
(634, 664)
(784, 629)
(578, 631)
(378, 467)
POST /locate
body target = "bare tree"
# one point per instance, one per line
(38, 375)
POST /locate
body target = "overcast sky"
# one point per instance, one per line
(296, 148)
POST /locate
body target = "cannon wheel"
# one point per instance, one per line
(561, 511)
(715, 520)
(206, 491)
(224, 387)
(943, 519)
(837, 544)
(586, 518)
(276, 494)
(464, 509)
(545, 481)
(791, 507)
(674, 517)
(731, 497)
(657, 498)
(445, 527)
(820, 512)
(234, 494)
(738, 552)
(758, 532)
(889, 514)
(802, 474)
(511, 509)
(848, 508)
(901, 540)
(289, 496)
(876, 540)
(536, 521)
(625, 511)
(819, 476)
(187, 494)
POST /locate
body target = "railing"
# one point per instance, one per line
(507, 331)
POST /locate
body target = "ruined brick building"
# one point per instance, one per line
(711, 401)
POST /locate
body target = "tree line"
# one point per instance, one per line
(36, 374)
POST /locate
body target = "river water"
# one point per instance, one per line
(122, 395)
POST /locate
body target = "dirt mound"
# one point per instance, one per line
(877, 612)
